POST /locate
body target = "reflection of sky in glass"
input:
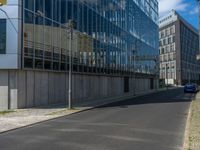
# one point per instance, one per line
(12, 11)
(2, 36)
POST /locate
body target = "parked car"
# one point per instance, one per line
(191, 88)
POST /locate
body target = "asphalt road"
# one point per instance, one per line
(152, 122)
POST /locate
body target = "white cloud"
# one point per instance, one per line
(167, 5)
(194, 11)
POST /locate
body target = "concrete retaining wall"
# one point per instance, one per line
(21, 89)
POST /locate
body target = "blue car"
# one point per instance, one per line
(191, 88)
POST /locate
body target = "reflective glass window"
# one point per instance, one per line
(56, 10)
(3, 36)
(39, 7)
(29, 4)
(48, 8)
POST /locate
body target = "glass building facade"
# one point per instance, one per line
(107, 35)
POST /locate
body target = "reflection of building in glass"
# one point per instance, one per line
(81, 44)
(178, 50)
(114, 30)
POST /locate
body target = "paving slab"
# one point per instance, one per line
(23, 117)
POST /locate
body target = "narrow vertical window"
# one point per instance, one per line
(2, 36)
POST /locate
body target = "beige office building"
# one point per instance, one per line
(178, 45)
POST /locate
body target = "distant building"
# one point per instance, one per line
(179, 47)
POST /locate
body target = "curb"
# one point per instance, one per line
(36, 123)
(87, 109)
(186, 145)
(187, 128)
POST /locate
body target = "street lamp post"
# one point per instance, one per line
(198, 1)
(167, 75)
(157, 70)
(70, 26)
(198, 56)
(134, 67)
(189, 77)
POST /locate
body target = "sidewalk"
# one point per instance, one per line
(193, 126)
(25, 117)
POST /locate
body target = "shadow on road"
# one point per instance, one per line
(169, 96)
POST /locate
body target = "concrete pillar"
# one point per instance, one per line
(13, 93)
(3, 90)
(30, 86)
(22, 103)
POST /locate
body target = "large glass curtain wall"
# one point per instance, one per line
(107, 34)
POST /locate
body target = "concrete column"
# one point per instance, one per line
(13, 89)
(3, 90)
(21, 89)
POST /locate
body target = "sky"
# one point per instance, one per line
(186, 8)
